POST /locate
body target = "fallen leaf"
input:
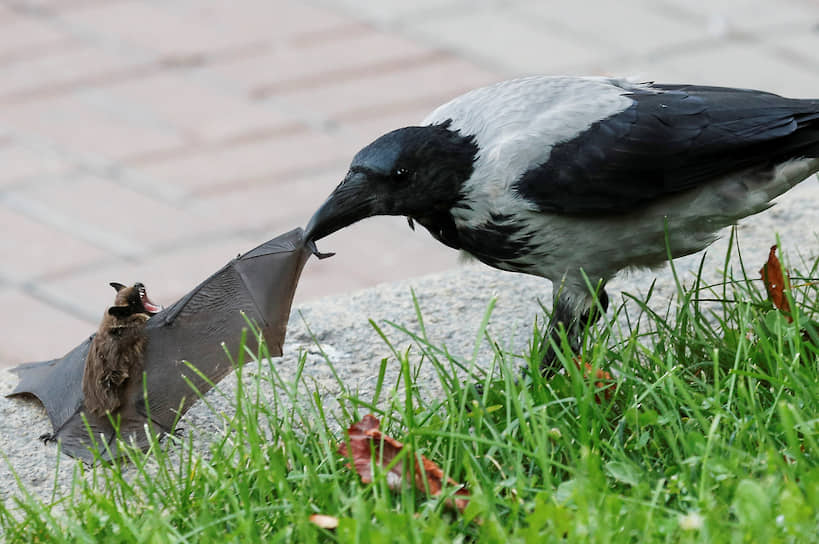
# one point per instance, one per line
(324, 521)
(367, 443)
(776, 283)
(606, 384)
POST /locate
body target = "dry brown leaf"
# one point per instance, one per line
(606, 384)
(324, 521)
(776, 283)
(367, 443)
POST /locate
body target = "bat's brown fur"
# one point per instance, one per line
(116, 352)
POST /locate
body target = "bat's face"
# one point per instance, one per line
(132, 300)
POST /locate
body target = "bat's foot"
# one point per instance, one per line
(45, 438)
(479, 392)
(476, 391)
(477, 388)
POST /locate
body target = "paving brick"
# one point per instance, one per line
(153, 27)
(757, 16)
(315, 63)
(376, 250)
(798, 47)
(397, 11)
(508, 41)
(646, 30)
(103, 206)
(363, 129)
(23, 36)
(227, 167)
(29, 249)
(273, 207)
(167, 275)
(433, 80)
(747, 65)
(71, 222)
(62, 71)
(93, 122)
(275, 20)
(36, 331)
(21, 162)
(196, 111)
(55, 6)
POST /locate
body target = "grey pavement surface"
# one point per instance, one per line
(154, 140)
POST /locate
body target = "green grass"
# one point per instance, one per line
(711, 435)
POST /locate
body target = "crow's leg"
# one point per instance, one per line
(574, 311)
(573, 314)
(573, 318)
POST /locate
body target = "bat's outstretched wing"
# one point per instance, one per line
(259, 284)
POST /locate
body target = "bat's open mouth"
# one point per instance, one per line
(149, 306)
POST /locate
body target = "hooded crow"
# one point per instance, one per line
(576, 178)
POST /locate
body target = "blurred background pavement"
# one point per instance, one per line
(154, 140)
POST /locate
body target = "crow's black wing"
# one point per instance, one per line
(672, 138)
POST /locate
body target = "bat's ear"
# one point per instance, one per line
(120, 311)
(118, 286)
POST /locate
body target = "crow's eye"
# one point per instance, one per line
(400, 172)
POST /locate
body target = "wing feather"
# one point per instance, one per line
(672, 138)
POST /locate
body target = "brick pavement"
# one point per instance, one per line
(153, 140)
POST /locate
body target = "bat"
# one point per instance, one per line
(259, 284)
(117, 350)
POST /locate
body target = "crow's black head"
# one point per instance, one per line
(412, 171)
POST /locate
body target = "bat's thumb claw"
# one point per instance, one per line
(311, 245)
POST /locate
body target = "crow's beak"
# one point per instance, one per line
(351, 201)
